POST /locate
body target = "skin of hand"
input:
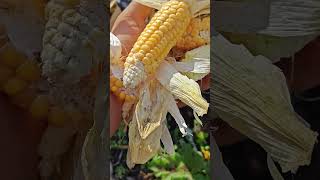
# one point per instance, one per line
(127, 27)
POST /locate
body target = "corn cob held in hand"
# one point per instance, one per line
(162, 33)
(153, 75)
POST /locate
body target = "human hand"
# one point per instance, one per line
(127, 27)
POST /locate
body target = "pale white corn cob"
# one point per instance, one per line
(75, 39)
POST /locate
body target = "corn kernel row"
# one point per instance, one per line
(156, 41)
(17, 74)
(116, 86)
(191, 38)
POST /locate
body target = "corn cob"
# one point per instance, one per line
(24, 98)
(155, 42)
(197, 34)
(115, 87)
(14, 85)
(10, 57)
(17, 78)
(29, 71)
(75, 39)
(5, 74)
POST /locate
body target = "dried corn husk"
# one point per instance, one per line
(198, 7)
(196, 63)
(251, 95)
(185, 89)
(94, 157)
(293, 18)
(292, 25)
(288, 17)
(271, 47)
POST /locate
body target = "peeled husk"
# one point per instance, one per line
(250, 94)
(183, 88)
(293, 18)
(196, 63)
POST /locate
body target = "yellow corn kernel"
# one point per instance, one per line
(24, 98)
(170, 21)
(113, 79)
(114, 89)
(128, 98)
(14, 86)
(118, 83)
(191, 38)
(57, 116)
(5, 74)
(122, 96)
(29, 71)
(39, 108)
(11, 57)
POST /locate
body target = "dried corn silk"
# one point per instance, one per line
(251, 95)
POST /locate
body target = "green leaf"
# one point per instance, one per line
(199, 176)
(193, 160)
(162, 174)
(179, 176)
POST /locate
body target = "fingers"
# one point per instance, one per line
(115, 114)
(130, 13)
(129, 25)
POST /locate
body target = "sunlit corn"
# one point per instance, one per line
(155, 42)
